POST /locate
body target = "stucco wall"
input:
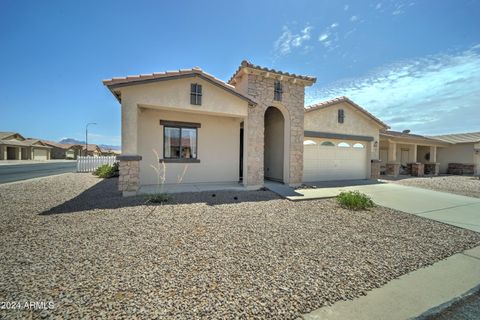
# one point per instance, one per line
(176, 94)
(173, 95)
(457, 153)
(218, 147)
(274, 133)
(355, 123)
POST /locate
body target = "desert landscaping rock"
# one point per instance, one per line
(463, 185)
(73, 240)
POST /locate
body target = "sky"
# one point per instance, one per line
(414, 64)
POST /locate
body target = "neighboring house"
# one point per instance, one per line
(13, 146)
(252, 128)
(93, 150)
(63, 151)
(109, 152)
(398, 149)
(464, 149)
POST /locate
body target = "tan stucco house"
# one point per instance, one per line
(252, 128)
(462, 156)
(13, 146)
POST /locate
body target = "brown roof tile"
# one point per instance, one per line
(248, 64)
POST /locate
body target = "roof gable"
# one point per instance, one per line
(335, 101)
(116, 83)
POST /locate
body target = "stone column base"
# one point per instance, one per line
(375, 169)
(432, 168)
(129, 179)
(393, 169)
(418, 169)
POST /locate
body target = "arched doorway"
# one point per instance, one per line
(273, 152)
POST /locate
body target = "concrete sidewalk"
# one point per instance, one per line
(445, 207)
(412, 294)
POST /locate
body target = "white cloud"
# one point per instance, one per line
(287, 40)
(346, 7)
(323, 37)
(432, 95)
(334, 25)
(353, 18)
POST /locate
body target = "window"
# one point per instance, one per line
(196, 94)
(341, 116)
(179, 140)
(278, 91)
(358, 145)
(309, 143)
(343, 145)
(328, 144)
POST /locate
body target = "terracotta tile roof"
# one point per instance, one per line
(56, 144)
(459, 137)
(398, 134)
(24, 143)
(328, 103)
(5, 134)
(145, 78)
(248, 64)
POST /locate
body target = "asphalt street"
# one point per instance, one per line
(11, 173)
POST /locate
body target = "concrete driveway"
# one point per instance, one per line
(449, 208)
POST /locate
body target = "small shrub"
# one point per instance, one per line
(158, 198)
(107, 171)
(354, 200)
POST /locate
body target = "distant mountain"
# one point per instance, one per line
(71, 141)
(75, 141)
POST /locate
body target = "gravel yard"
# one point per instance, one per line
(73, 240)
(462, 185)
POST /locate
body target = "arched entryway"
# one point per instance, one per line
(273, 155)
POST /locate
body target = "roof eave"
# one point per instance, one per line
(112, 85)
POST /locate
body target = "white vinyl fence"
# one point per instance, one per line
(89, 164)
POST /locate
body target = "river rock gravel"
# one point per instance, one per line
(463, 185)
(72, 241)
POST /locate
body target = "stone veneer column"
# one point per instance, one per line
(393, 169)
(418, 170)
(129, 175)
(375, 169)
(261, 89)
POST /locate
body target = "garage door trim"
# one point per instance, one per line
(330, 135)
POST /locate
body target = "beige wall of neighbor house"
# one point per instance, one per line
(174, 95)
(456, 153)
(355, 123)
(218, 147)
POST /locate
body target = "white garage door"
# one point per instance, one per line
(328, 160)
(40, 154)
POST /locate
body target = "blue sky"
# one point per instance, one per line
(414, 64)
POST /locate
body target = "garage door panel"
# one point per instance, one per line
(40, 154)
(327, 163)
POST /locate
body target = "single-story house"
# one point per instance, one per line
(399, 151)
(13, 146)
(252, 128)
(64, 151)
(92, 150)
(462, 156)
